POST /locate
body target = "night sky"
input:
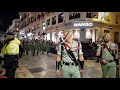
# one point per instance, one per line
(6, 19)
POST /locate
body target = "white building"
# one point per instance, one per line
(90, 25)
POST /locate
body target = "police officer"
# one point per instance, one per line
(70, 69)
(107, 53)
(10, 53)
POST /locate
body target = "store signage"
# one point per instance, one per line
(78, 24)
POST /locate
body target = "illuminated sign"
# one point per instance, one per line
(77, 24)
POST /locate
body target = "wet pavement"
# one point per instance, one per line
(43, 66)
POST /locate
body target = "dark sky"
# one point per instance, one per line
(6, 19)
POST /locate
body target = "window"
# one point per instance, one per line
(116, 19)
(48, 22)
(95, 14)
(89, 14)
(106, 31)
(31, 19)
(53, 20)
(35, 28)
(60, 18)
(29, 29)
(38, 16)
(74, 15)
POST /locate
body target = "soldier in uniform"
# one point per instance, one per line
(37, 46)
(43, 45)
(107, 53)
(47, 47)
(33, 45)
(26, 47)
(71, 66)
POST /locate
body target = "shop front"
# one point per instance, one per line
(88, 31)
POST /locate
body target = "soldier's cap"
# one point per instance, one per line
(10, 33)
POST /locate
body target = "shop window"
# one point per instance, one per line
(53, 20)
(74, 15)
(60, 18)
(48, 22)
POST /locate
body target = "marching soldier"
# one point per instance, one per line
(107, 53)
(26, 46)
(33, 44)
(43, 45)
(47, 47)
(70, 57)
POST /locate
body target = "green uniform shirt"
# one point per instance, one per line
(65, 56)
(105, 53)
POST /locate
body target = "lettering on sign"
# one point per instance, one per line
(83, 24)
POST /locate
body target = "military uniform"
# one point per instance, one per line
(69, 69)
(37, 46)
(47, 47)
(109, 68)
(43, 46)
(33, 47)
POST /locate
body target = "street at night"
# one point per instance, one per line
(43, 66)
(59, 44)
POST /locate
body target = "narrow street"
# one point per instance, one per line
(43, 66)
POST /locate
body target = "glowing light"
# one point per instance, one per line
(88, 34)
(76, 34)
(106, 13)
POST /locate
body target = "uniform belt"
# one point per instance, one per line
(69, 64)
(110, 61)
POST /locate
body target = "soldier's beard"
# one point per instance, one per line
(106, 41)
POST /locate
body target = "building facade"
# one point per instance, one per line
(88, 26)
(32, 24)
(14, 27)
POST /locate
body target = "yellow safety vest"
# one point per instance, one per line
(11, 49)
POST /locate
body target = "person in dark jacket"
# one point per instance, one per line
(10, 53)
